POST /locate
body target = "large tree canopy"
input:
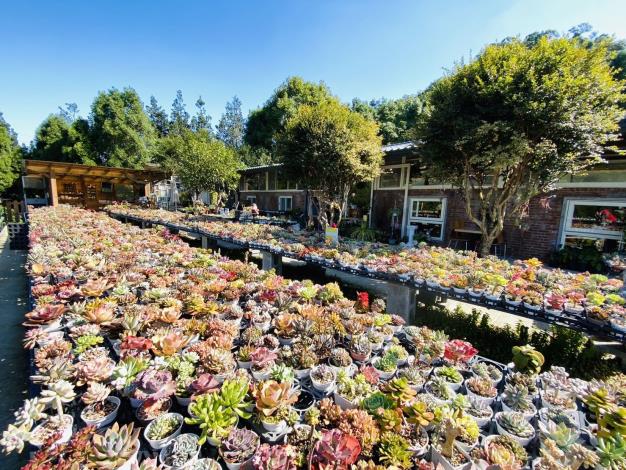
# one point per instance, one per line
(201, 162)
(10, 156)
(329, 148)
(121, 132)
(264, 124)
(231, 126)
(515, 120)
(396, 118)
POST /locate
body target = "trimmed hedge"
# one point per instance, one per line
(561, 346)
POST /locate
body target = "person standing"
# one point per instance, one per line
(315, 214)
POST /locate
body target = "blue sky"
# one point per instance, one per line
(66, 51)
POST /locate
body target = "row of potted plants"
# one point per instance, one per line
(184, 354)
(523, 284)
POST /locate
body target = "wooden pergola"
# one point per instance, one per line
(89, 186)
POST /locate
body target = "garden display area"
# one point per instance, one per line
(585, 302)
(147, 354)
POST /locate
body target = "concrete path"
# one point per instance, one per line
(13, 358)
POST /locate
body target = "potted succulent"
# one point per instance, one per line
(554, 304)
(285, 330)
(401, 353)
(515, 425)
(282, 373)
(386, 365)
(527, 360)
(117, 448)
(238, 448)
(153, 384)
(489, 371)
(445, 449)
(517, 398)
(323, 378)
(451, 375)
(163, 429)
(181, 452)
(218, 362)
(440, 390)
(152, 408)
(503, 451)
(415, 376)
(481, 389)
(481, 411)
(573, 304)
(360, 348)
(350, 391)
(275, 457)
(214, 420)
(262, 362)
(273, 401)
(340, 360)
(101, 408)
(335, 449)
(244, 360)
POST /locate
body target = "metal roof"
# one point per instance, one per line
(399, 146)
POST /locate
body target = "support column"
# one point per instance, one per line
(272, 261)
(54, 195)
(205, 243)
(401, 300)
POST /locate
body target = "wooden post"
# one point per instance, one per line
(54, 195)
(83, 188)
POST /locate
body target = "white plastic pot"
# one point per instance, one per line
(160, 443)
(100, 423)
(344, 403)
(523, 441)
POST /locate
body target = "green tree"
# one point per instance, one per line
(330, 148)
(69, 112)
(179, 117)
(51, 137)
(518, 118)
(158, 117)
(265, 123)
(396, 118)
(10, 156)
(201, 162)
(201, 120)
(231, 127)
(121, 133)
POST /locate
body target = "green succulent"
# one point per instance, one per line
(85, 342)
(233, 396)
(612, 452)
(214, 419)
(375, 401)
(450, 374)
(394, 450)
(387, 363)
(527, 359)
(115, 447)
(162, 427)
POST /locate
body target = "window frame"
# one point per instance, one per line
(430, 220)
(251, 198)
(567, 213)
(290, 198)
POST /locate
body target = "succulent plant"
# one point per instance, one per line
(516, 424)
(275, 457)
(418, 413)
(505, 452)
(612, 452)
(562, 435)
(262, 358)
(323, 374)
(233, 396)
(169, 343)
(387, 363)
(181, 450)
(214, 419)
(449, 374)
(154, 384)
(271, 396)
(517, 398)
(487, 371)
(87, 341)
(162, 427)
(95, 393)
(204, 383)
(599, 401)
(376, 401)
(457, 350)
(239, 446)
(58, 393)
(481, 386)
(335, 449)
(339, 357)
(399, 390)
(440, 388)
(116, 446)
(127, 370)
(394, 451)
(282, 373)
(527, 359)
(613, 423)
(218, 361)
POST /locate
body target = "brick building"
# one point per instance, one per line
(590, 207)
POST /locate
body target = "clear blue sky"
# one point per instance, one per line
(66, 51)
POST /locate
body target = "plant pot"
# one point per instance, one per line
(344, 403)
(475, 295)
(512, 304)
(302, 373)
(106, 420)
(523, 441)
(128, 465)
(285, 341)
(531, 307)
(383, 375)
(259, 376)
(274, 427)
(553, 311)
(244, 364)
(135, 402)
(237, 466)
(527, 414)
(305, 401)
(439, 459)
(65, 435)
(157, 444)
(162, 454)
(479, 398)
(492, 298)
(460, 291)
(145, 422)
(183, 401)
(482, 421)
(576, 310)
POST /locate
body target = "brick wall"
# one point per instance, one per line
(268, 201)
(536, 234)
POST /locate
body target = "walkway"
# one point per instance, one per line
(13, 358)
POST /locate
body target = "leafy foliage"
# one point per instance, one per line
(231, 127)
(10, 156)
(511, 123)
(396, 118)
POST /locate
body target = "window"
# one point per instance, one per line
(593, 219)
(251, 199)
(69, 188)
(284, 203)
(391, 178)
(428, 214)
(124, 192)
(255, 182)
(106, 187)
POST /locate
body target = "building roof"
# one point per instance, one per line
(112, 174)
(399, 146)
(252, 169)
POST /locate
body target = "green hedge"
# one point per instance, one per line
(561, 346)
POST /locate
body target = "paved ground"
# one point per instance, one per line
(13, 359)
